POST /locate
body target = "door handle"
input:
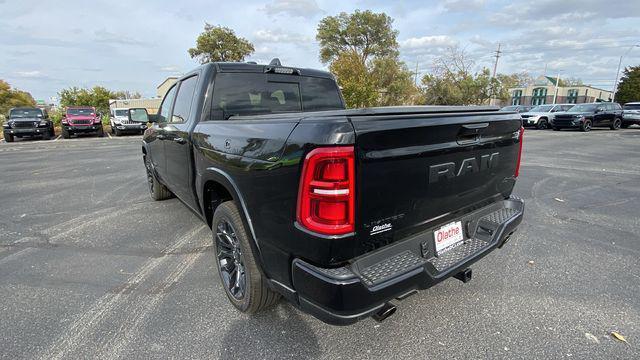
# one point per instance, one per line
(180, 140)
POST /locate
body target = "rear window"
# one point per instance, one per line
(238, 94)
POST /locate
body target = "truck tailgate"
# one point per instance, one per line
(418, 170)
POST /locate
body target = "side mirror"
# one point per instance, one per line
(153, 118)
(138, 115)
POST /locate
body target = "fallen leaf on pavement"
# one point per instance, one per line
(619, 337)
(592, 338)
(531, 262)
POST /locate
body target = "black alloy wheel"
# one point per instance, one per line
(230, 259)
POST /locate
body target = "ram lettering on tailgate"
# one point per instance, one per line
(467, 166)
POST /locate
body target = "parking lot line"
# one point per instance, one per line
(56, 139)
(109, 135)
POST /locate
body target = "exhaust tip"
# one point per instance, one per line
(386, 311)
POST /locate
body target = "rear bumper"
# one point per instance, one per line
(344, 295)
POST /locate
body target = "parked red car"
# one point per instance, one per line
(81, 119)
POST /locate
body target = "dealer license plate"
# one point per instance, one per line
(448, 237)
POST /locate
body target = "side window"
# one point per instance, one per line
(182, 108)
(165, 107)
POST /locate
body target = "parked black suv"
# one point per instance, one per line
(27, 122)
(587, 116)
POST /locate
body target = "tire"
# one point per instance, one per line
(8, 138)
(555, 128)
(586, 126)
(543, 124)
(65, 134)
(617, 124)
(47, 135)
(157, 190)
(625, 125)
(118, 132)
(100, 132)
(248, 292)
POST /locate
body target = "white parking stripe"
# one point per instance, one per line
(56, 139)
(109, 135)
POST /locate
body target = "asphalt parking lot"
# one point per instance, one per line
(90, 266)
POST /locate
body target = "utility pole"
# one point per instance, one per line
(615, 84)
(415, 81)
(497, 56)
(495, 69)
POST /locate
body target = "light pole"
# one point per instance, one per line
(615, 84)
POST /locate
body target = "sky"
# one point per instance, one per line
(46, 46)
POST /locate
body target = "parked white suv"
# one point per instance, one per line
(542, 116)
(121, 124)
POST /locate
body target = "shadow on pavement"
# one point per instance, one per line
(278, 333)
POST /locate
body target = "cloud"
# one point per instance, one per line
(280, 36)
(170, 68)
(105, 36)
(427, 42)
(463, 5)
(32, 74)
(302, 8)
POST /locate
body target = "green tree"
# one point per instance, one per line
(97, 97)
(358, 89)
(362, 51)
(629, 86)
(394, 81)
(218, 43)
(452, 82)
(10, 98)
(364, 33)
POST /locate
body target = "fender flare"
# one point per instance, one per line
(224, 179)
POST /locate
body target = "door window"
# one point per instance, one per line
(182, 108)
(165, 107)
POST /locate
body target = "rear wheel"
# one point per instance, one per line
(243, 282)
(543, 124)
(617, 124)
(156, 189)
(586, 126)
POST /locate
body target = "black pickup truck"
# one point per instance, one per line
(339, 211)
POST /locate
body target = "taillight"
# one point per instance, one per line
(520, 138)
(326, 196)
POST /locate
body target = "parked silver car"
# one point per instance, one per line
(541, 116)
(630, 114)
